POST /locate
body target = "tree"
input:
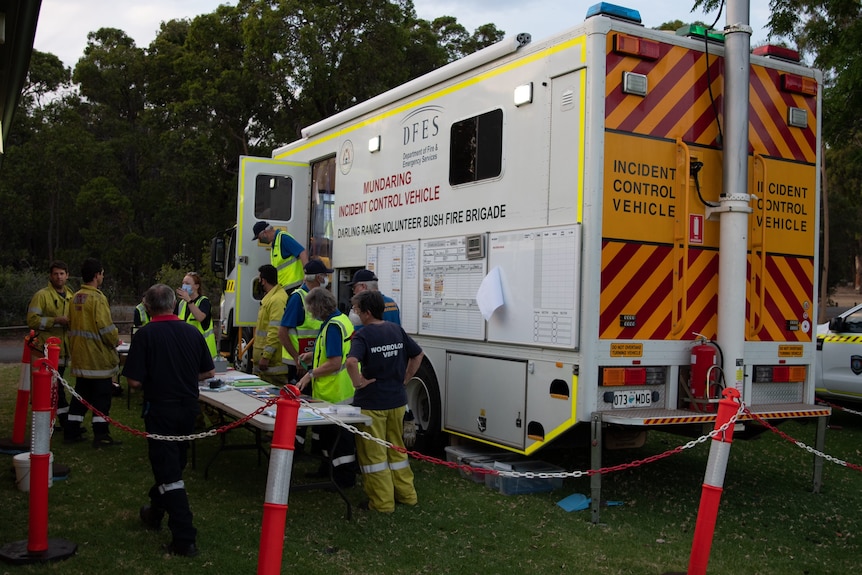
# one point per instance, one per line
(50, 154)
(829, 33)
(133, 155)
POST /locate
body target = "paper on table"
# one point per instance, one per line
(490, 294)
(255, 382)
(237, 376)
(307, 415)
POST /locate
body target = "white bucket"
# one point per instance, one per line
(21, 462)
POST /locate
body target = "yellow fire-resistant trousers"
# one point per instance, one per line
(386, 473)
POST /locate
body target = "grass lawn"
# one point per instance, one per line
(769, 521)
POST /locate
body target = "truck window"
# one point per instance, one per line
(273, 197)
(476, 146)
(853, 323)
(322, 202)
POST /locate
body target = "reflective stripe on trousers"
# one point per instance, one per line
(386, 473)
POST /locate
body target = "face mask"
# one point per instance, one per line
(325, 283)
(354, 318)
(187, 288)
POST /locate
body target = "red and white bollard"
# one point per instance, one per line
(38, 547)
(278, 482)
(22, 402)
(713, 482)
(40, 458)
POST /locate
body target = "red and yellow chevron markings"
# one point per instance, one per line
(679, 105)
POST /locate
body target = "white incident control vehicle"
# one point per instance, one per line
(838, 372)
(599, 231)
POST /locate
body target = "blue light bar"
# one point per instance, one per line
(614, 11)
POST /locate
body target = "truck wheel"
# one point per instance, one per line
(423, 399)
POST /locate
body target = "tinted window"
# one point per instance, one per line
(476, 148)
(273, 197)
(322, 202)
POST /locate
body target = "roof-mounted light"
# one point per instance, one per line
(614, 11)
(700, 32)
(778, 53)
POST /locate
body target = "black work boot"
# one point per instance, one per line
(151, 518)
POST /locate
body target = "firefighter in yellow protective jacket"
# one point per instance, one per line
(48, 316)
(330, 382)
(382, 360)
(93, 340)
(267, 347)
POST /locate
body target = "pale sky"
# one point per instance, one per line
(64, 24)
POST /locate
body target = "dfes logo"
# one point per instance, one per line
(421, 124)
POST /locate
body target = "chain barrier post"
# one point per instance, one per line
(278, 482)
(40, 458)
(713, 482)
(38, 548)
(52, 353)
(22, 403)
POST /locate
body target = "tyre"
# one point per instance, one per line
(423, 400)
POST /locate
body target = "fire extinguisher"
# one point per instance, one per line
(703, 358)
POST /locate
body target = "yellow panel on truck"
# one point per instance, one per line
(663, 173)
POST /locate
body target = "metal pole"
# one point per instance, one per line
(734, 208)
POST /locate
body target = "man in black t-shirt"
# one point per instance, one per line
(389, 358)
(167, 359)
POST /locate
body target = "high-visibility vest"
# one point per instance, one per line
(186, 315)
(289, 269)
(335, 387)
(142, 316)
(302, 336)
(142, 313)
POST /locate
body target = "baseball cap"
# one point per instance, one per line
(316, 267)
(363, 276)
(259, 227)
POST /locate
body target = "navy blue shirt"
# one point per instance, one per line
(167, 357)
(383, 350)
(294, 311)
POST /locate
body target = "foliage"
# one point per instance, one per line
(829, 32)
(132, 156)
(173, 272)
(16, 290)
(160, 128)
(769, 522)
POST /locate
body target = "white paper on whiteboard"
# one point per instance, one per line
(490, 294)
